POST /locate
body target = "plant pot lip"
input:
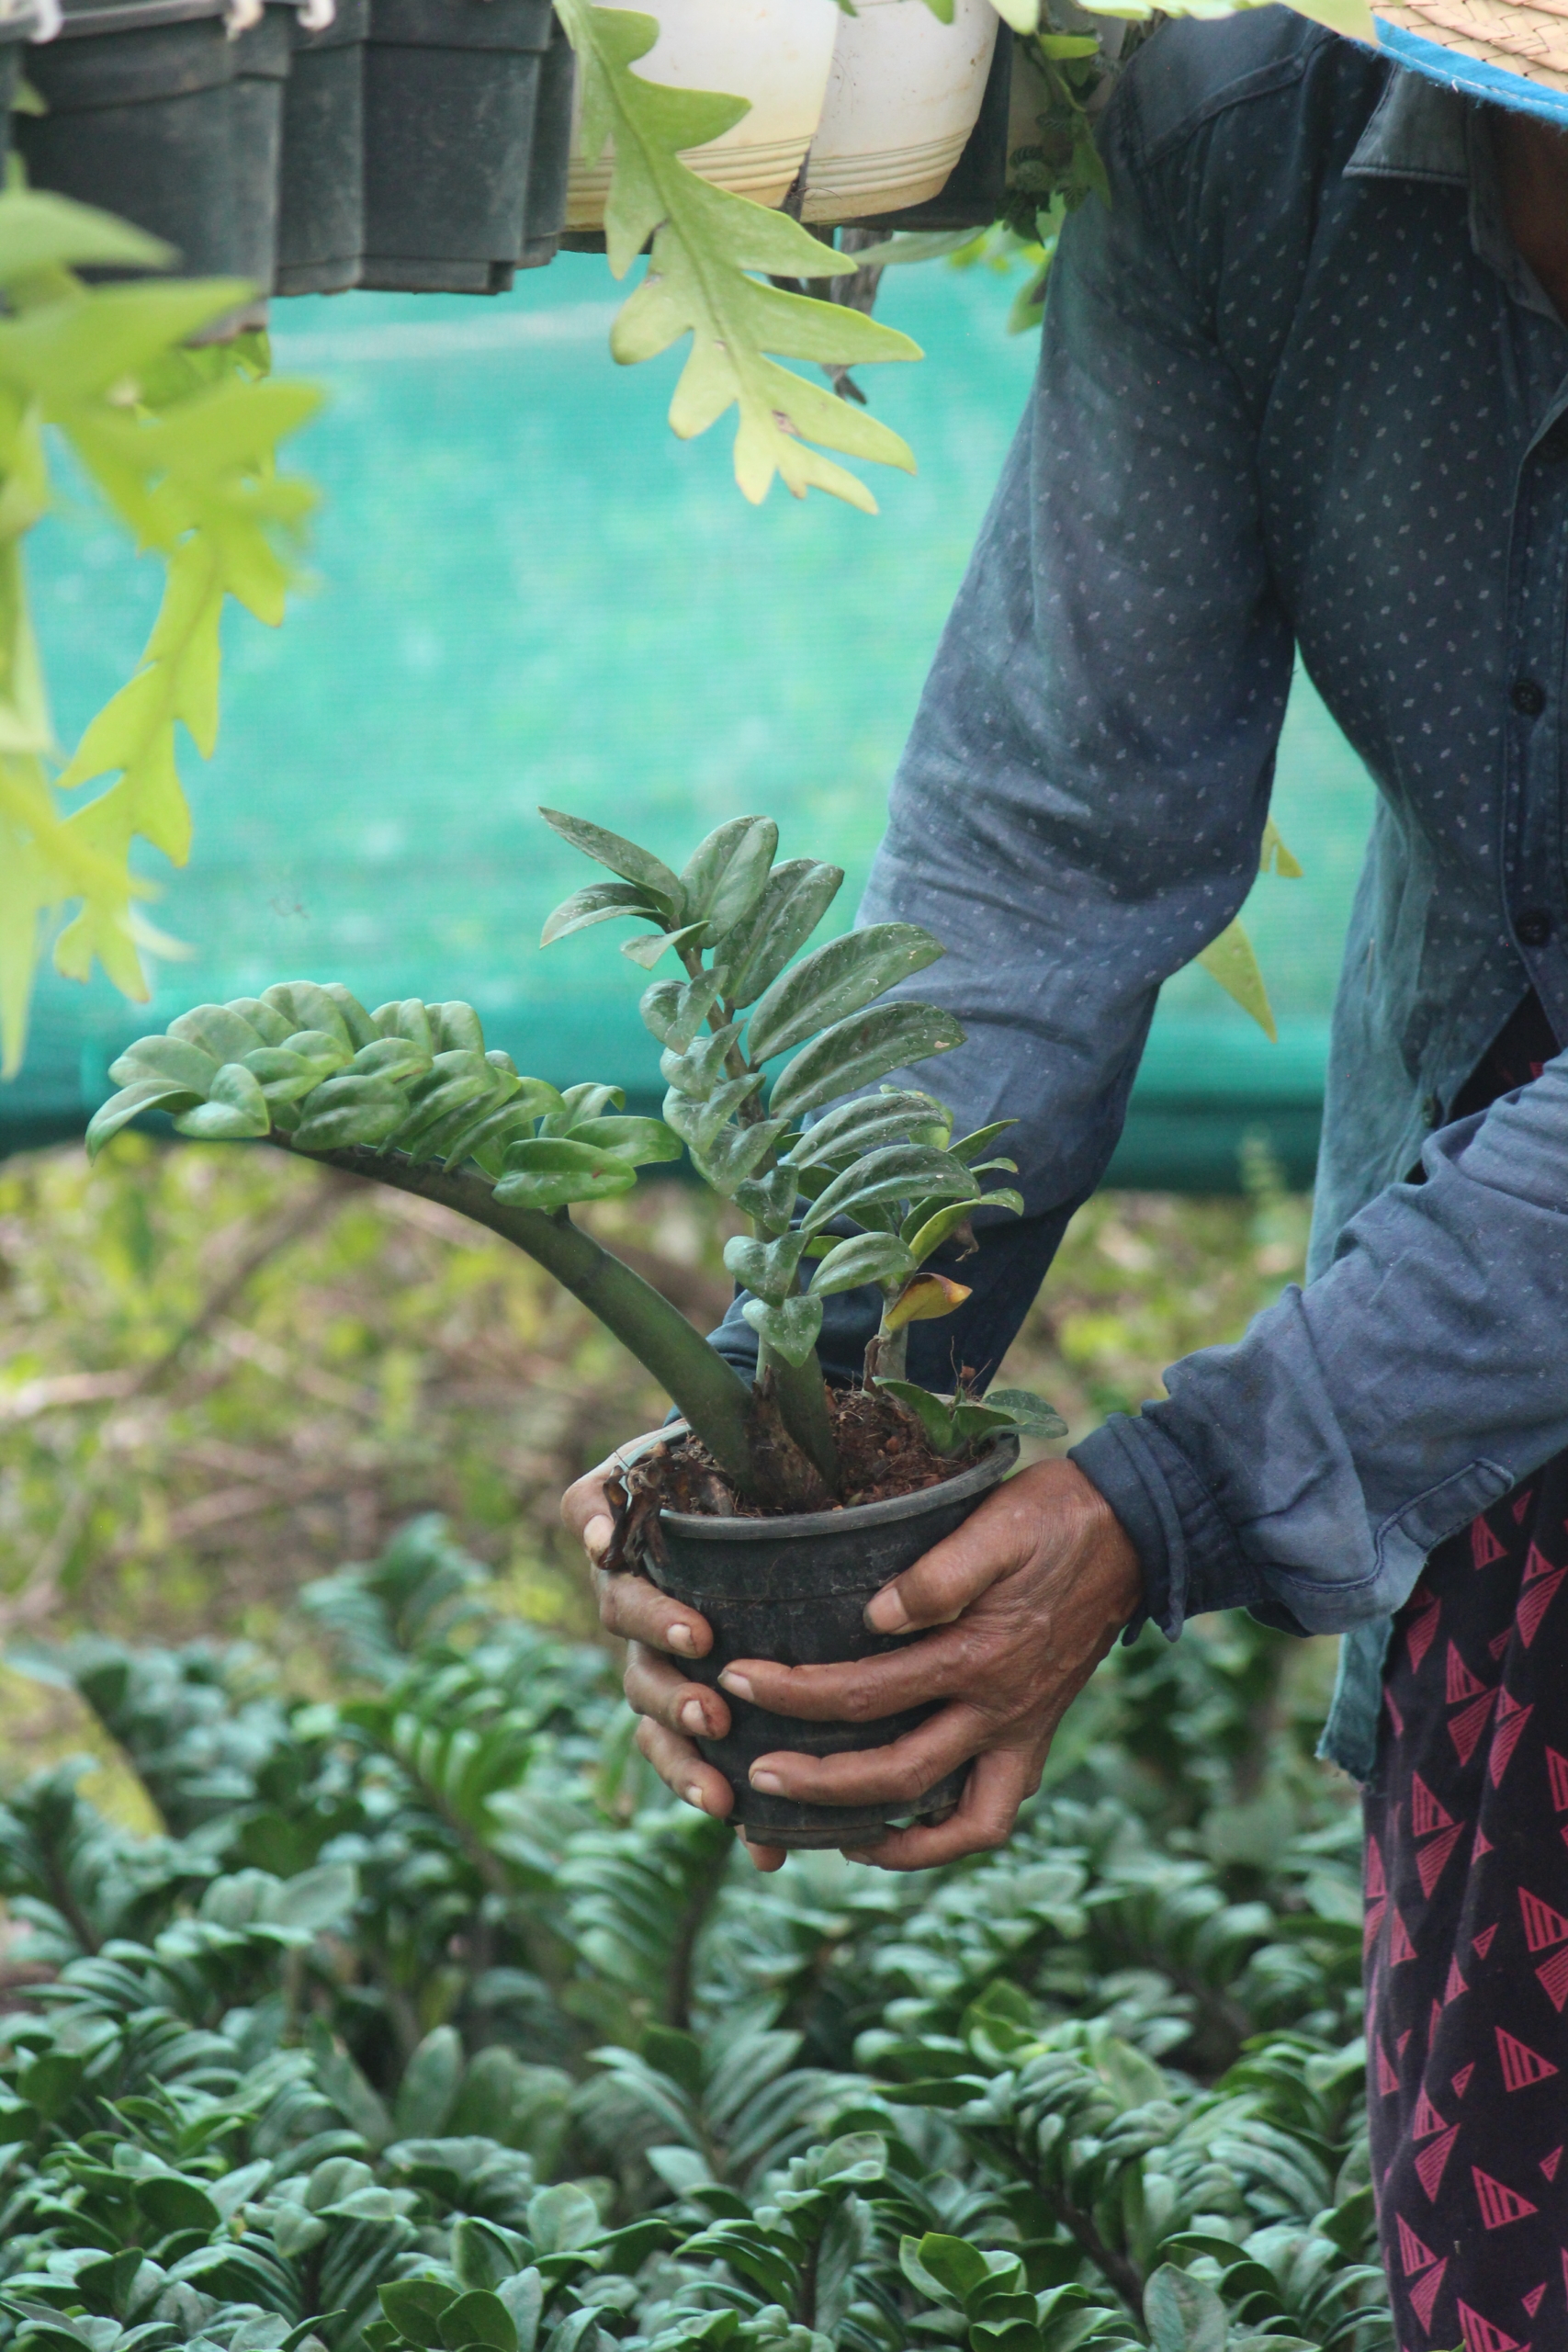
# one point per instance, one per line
(133, 15)
(993, 1465)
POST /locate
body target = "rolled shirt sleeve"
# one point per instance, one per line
(1308, 1470)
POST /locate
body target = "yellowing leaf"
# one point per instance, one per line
(182, 445)
(708, 244)
(1229, 960)
(923, 1299)
(1274, 857)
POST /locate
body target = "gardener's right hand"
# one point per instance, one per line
(673, 1712)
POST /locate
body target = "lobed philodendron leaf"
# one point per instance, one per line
(713, 254)
(310, 1065)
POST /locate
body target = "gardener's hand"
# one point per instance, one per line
(674, 1713)
(1030, 1593)
(1034, 1590)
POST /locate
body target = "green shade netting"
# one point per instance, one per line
(525, 590)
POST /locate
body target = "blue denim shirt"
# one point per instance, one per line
(1297, 391)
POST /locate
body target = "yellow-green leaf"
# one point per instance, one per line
(1229, 960)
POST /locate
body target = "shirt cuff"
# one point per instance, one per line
(1191, 1559)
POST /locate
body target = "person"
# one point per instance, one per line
(1303, 388)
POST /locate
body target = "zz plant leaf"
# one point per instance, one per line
(410, 1093)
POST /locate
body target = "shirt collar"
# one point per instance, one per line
(1418, 133)
(1420, 130)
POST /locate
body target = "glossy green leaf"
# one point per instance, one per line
(934, 1415)
(304, 1006)
(898, 1171)
(855, 1052)
(349, 1110)
(218, 1030)
(235, 1107)
(733, 1156)
(145, 1094)
(727, 872)
(676, 1010)
(1030, 1414)
(864, 1257)
(834, 981)
(797, 895)
(860, 1127)
(639, 867)
(766, 1269)
(175, 1059)
(549, 1173)
(640, 1142)
(478, 2317)
(790, 1327)
(700, 1070)
(599, 902)
(414, 2307)
(646, 951)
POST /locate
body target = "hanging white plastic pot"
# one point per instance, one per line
(903, 97)
(775, 52)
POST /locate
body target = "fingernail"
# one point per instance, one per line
(885, 1614)
(693, 1796)
(735, 1683)
(767, 1784)
(691, 1717)
(679, 1637)
(851, 1855)
(596, 1536)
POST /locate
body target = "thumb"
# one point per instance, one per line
(993, 1543)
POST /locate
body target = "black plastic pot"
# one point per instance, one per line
(795, 1589)
(155, 114)
(451, 90)
(14, 33)
(321, 210)
(543, 211)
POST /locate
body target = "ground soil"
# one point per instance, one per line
(883, 1452)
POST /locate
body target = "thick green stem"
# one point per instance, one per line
(803, 1400)
(713, 1398)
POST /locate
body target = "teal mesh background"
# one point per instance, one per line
(525, 590)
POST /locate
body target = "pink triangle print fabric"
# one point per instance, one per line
(1467, 1943)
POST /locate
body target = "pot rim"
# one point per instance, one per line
(998, 1458)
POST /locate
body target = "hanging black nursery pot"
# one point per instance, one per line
(321, 219)
(794, 1589)
(155, 113)
(543, 209)
(17, 26)
(451, 89)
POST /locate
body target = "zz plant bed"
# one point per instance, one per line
(777, 1505)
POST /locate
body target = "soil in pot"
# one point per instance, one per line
(451, 91)
(795, 1587)
(320, 212)
(155, 114)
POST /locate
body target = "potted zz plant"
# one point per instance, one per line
(776, 1507)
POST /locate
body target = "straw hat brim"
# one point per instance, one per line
(1495, 50)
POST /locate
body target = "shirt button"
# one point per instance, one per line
(1534, 926)
(1553, 446)
(1431, 1110)
(1528, 696)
